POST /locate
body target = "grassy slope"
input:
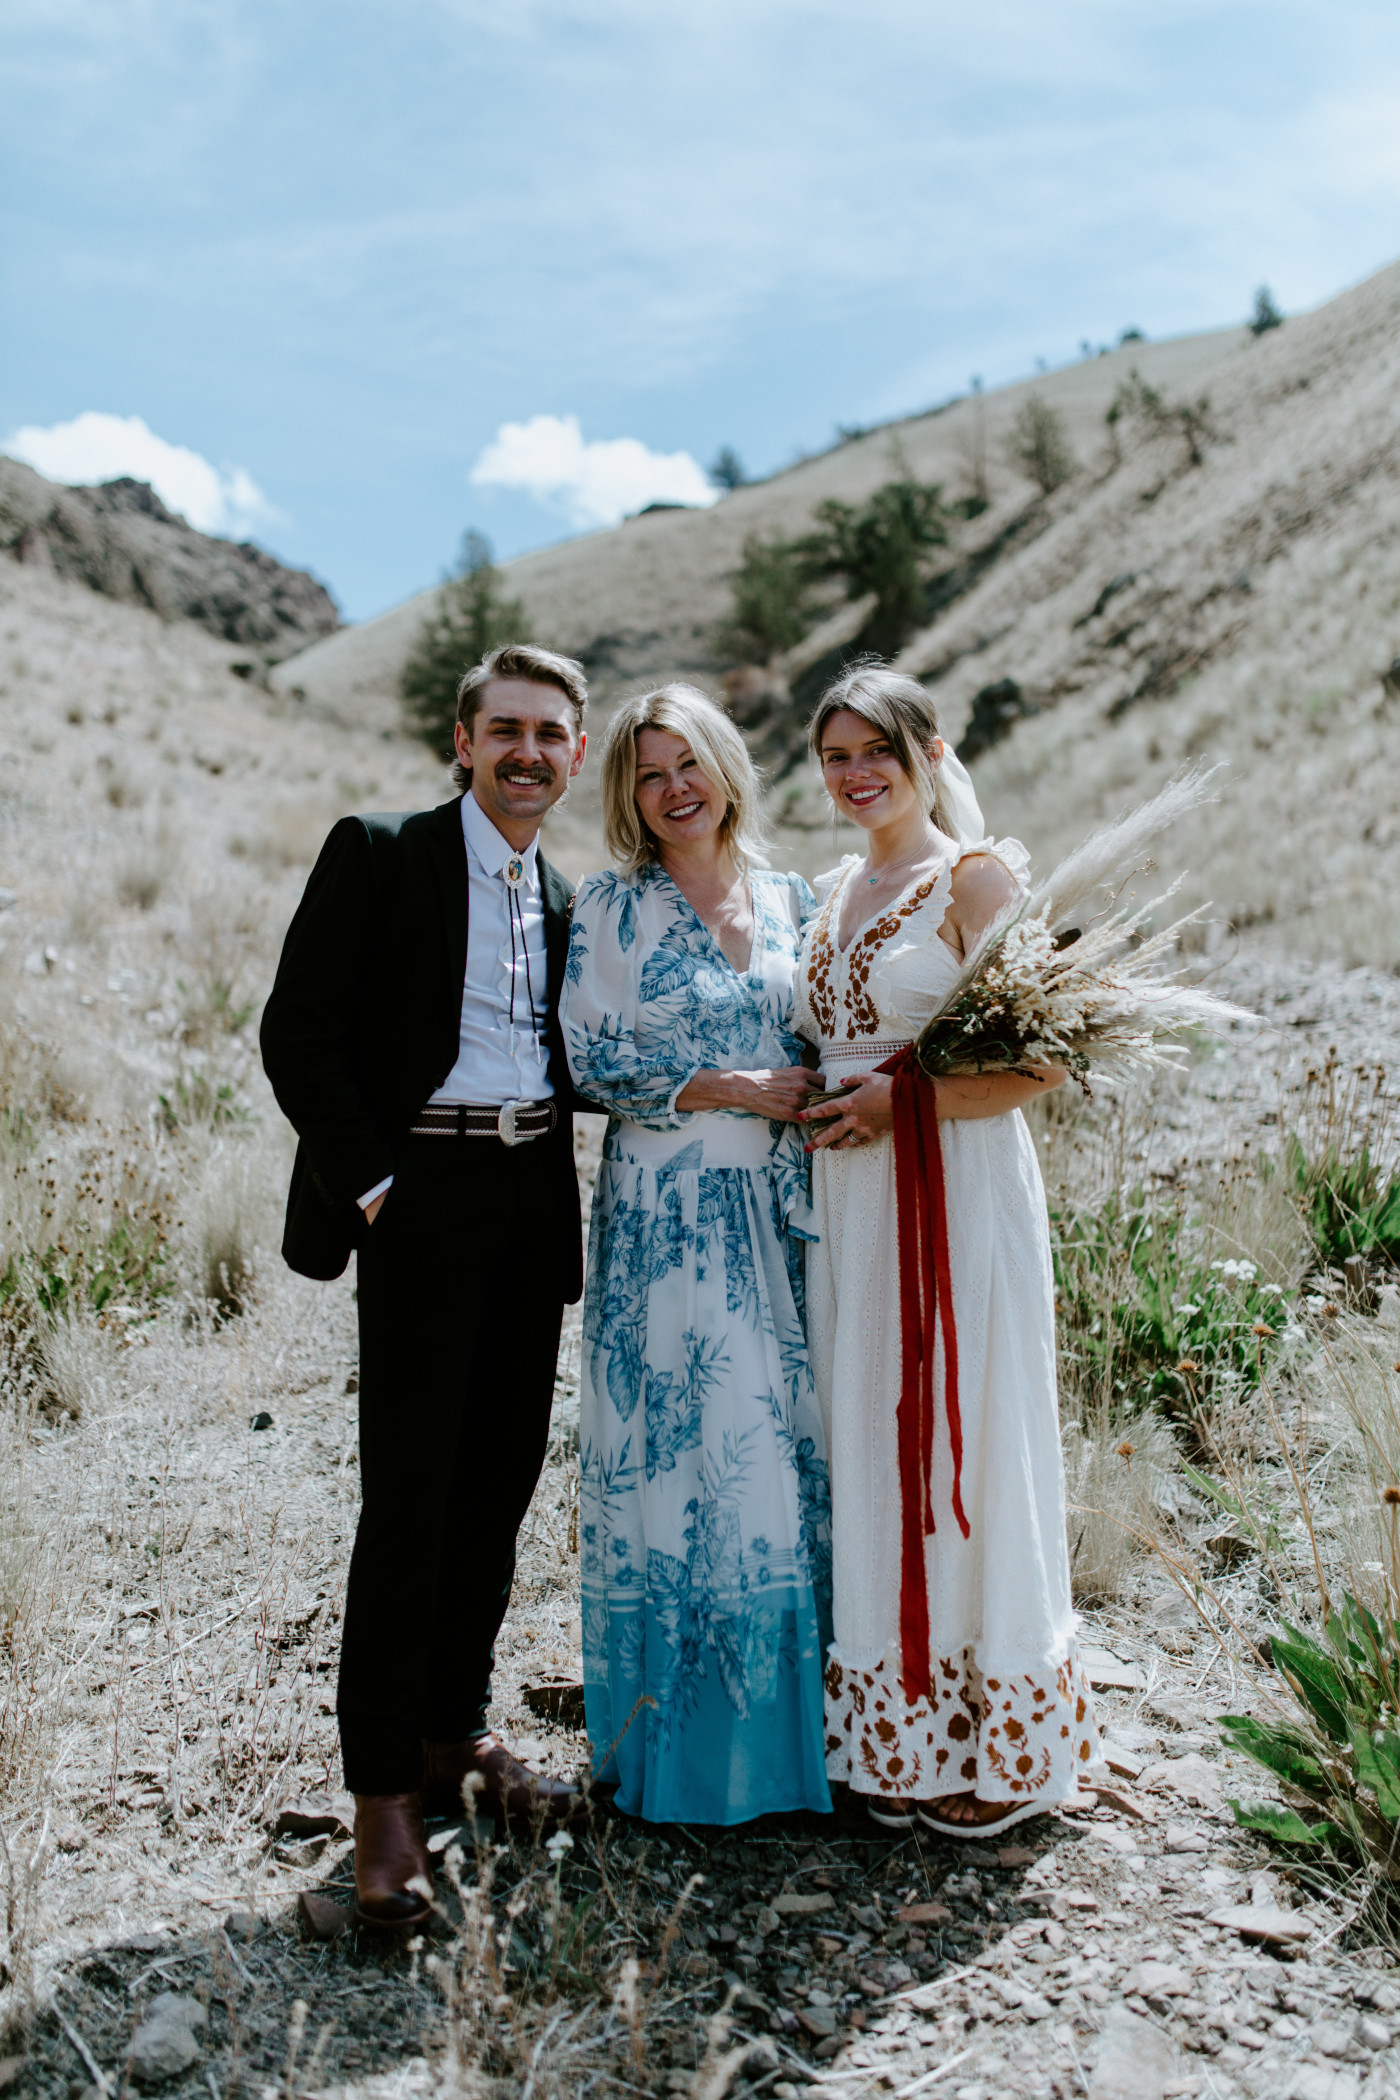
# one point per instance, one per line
(1265, 607)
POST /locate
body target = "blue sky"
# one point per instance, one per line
(333, 249)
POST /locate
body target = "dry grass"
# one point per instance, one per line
(170, 1578)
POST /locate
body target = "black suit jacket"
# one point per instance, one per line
(363, 1025)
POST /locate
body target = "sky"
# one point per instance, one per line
(353, 278)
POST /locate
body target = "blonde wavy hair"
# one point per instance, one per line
(684, 711)
(904, 712)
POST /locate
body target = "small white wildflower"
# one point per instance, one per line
(1184, 1312)
(558, 1845)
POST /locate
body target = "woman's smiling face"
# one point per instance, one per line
(675, 800)
(863, 776)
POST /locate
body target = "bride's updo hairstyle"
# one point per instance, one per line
(904, 713)
(683, 711)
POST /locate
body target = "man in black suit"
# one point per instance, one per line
(412, 1040)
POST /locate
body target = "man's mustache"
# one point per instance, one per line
(540, 774)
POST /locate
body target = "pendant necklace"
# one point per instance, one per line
(873, 879)
(514, 871)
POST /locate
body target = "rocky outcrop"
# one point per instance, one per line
(120, 539)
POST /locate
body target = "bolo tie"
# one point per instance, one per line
(514, 873)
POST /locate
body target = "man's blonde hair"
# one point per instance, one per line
(723, 756)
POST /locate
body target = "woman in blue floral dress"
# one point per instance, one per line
(705, 1505)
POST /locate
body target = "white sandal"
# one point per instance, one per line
(895, 1814)
(971, 1832)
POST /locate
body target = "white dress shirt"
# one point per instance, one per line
(502, 1054)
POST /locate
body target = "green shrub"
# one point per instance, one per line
(471, 618)
(772, 603)
(1352, 1206)
(1144, 405)
(1039, 445)
(880, 546)
(1144, 1321)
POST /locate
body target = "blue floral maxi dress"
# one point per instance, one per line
(705, 1506)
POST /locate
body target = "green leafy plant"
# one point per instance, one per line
(1145, 1322)
(472, 617)
(1039, 445)
(880, 546)
(195, 1098)
(772, 602)
(1343, 1755)
(1352, 1206)
(1338, 1132)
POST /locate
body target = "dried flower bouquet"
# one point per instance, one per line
(1065, 975)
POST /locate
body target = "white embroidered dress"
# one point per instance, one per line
(1010, 1714)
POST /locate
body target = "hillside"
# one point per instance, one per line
(121, 541)
(1253, 614)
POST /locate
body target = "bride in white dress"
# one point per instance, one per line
(1006, 1720)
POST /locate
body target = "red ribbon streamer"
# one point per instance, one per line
(925, 1311)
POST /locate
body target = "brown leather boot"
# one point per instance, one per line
(390, 1851)
(508, 1788)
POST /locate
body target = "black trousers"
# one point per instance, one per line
(460, 1303)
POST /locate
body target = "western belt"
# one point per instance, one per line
(516, 1123)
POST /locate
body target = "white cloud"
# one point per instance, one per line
(593, 483)
(97, 447)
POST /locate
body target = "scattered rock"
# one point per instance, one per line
(925, 1913)
(71, 1839)
(1317, 2082)
(323, 1919)
(1228, 1548)
(792, 1906)
(261, 1420)
(315, 1815)
(1182, 1838)
(241, 1925)
(1192, 1777)
(1107, 1674)
(1156, 1979)
(1373, 2032)
(557, 1699)
(818, 2020)
(1126, 1804)
(1016, 1856)
(767, 1920)
(1263, 1921)
(167, 2041)
(1331, 2037)
(1135, 2061)
(10, 2066)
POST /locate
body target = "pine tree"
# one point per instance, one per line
(471, 618)
(1267, 313)
(880, 546)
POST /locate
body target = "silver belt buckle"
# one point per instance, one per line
(505, 1124)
